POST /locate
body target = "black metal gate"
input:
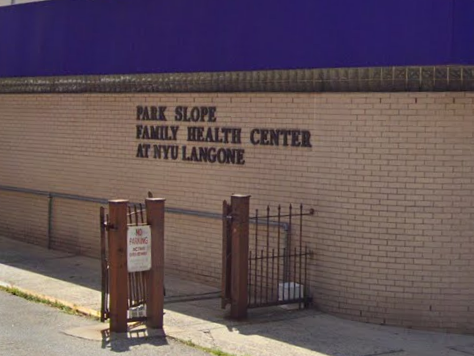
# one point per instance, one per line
(136, 280)
(278, 258)
(264, 258)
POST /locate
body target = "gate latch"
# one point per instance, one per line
(109, 226)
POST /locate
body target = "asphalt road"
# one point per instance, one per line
(32, 329)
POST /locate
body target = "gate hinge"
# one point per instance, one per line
(109, 226)
(225, 301)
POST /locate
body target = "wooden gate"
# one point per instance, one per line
(131, 296)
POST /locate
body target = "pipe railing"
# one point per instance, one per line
(52, 195)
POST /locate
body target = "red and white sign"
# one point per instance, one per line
(138, 248)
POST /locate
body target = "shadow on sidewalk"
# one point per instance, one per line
(307, 329)
(134, 337)
(193, 311)
(80, 270)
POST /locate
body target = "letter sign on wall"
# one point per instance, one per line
(138, 248)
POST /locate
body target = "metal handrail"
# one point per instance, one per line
(171, 210)
(104, 201)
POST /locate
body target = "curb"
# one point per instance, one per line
(96, 314)
(82, 310)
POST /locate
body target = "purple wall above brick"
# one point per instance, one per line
(76, 37)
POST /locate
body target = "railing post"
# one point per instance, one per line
(118, 265)
(103, 264)
(155, 211)
(50, 220)
(240, 252)
(226, 276)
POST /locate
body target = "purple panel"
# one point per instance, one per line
(72, 37)
(463, 33)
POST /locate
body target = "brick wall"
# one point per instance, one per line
(75, 227)
(390, 176)
(24, 217)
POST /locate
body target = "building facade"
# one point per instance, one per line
(380, 146)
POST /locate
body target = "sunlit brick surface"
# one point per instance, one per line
(390, 176)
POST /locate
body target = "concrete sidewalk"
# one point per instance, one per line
(193, 313)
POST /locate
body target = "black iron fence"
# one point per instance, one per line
(278, 258)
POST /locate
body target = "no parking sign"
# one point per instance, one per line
(139, 248)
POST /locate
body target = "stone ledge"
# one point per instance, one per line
(374, 79)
